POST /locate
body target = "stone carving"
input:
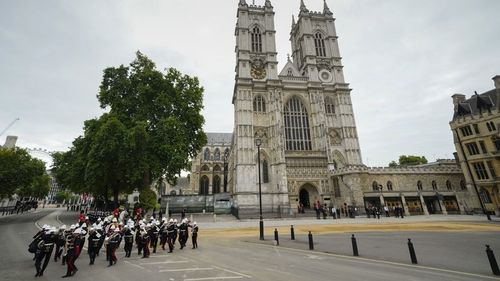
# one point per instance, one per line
(335, 136)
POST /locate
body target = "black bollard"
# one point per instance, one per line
(493, 261)
(276, 237)
(311, 243)
(292, 233)
(412, 252)
(354, 246)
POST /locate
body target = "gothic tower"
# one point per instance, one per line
(257, 113)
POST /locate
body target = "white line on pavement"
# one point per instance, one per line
(238, 273)
(136, 265)
(213, 278)
(186, 269)
(162, 262)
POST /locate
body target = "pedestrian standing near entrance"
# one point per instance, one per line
(194, 235)
(334, 212)
(386, 209)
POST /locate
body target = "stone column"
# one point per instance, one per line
(382, 201)
(441, 205)
(405, 207)
(422, 202)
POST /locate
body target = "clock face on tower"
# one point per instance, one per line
(258, 70)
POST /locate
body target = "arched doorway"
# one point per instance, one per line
(308, 194)
(304, 198)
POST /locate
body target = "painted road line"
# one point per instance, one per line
(136, 265)
(234, 272)
(214, 278)
(186, 269)
(162, 262)
(375, 262)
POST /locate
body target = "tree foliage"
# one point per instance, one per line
(153, 128)
(408, 160)
(147, 198)
(22, 174)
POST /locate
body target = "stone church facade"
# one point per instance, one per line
(303, 117)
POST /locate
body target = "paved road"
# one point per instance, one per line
(216, 259)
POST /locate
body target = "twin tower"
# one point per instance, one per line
(301, 117)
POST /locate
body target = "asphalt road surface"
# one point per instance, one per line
(215, 259)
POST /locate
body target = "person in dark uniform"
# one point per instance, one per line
(60, 241)
(72, 250)
(170, 235)
(194, 235)
(93, 245)
(163, 233)
(176, 232)
(114, 239)
(154, 232)
(145, 241)
(45, 248)
(183, 233)
(129, 241)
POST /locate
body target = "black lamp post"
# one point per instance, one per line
(258, 143)
(226, 156)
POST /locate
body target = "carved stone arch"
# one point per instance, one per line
(308, 195)
(303, 99)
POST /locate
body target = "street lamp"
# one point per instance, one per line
(258, 143)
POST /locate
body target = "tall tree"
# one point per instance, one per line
(408, 160)
(166, 107)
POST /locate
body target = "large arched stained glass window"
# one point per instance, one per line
(206, 154)
(217, 154)
(204, 185)
(256, 40)
(216, 185)
(297, 132)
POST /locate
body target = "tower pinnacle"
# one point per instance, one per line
(303, 7)
(326, 10)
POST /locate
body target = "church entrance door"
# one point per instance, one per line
(304, 198)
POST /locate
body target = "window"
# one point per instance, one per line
(259, 105)
(491, 169)
(217, 168)
(476, 128)
(480, 171)
(483, 147)
(485, 196)
(466, 131)
(434, 185)
(216, 185)
(265, 172)
(472, 148)
(496, 141)
(419, 185)
(206, 155)
(217, 154)
(297, 126)
(491, 126)
(389, 185)
(448, 185)
(204, 185)
(375, 186)
(205, 168)
(256, 40)
(289, 72)
(462, 185)
(319, 45)
(329, 107)
(336, 187)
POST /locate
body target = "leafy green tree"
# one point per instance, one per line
(164, 109)
(408, 160)
(22, 174)
(147, 198)
(62, 196)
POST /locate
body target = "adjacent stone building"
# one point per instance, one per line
(477, 141)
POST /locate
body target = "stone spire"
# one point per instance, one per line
(326, 10)
(303, 7)
(293, 20)
(268, 4)
(243, 3)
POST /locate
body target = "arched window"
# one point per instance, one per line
(226, 153)
(297, 126)
(434, 185)
(389, 185)
(216, 168)
(375, 186)
(462, 185)
(329, 107)
(206, 155)
(259, 105)
(419, 185)
(216, 185)
(265, 172)
(217, 154)
(485, 196)
(319, 45)
(204, 185)
(205, 168)
(256, 40)
(448, 185)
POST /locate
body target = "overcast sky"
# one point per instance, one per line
(403, 59)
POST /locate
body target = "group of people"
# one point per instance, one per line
(375, 211)
(108, 234)
(335, 212)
